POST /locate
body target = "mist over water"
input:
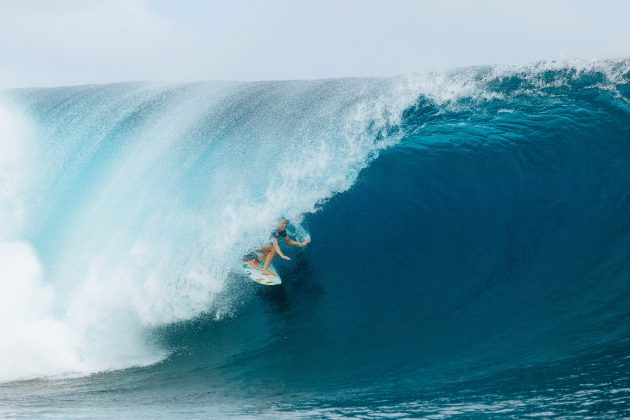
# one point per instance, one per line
(142, 198)
(469, 228)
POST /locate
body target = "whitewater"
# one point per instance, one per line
(469, 229)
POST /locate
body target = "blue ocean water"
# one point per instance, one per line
(470, 247)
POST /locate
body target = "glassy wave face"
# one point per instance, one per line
(470, 246)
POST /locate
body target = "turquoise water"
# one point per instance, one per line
(469, 252)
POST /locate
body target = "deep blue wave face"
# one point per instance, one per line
(486, 236)
(478, 264)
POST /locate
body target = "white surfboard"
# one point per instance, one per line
(254, 273)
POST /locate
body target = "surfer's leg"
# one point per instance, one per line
(268, 259)
(264, 251)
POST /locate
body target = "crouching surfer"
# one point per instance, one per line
(269, 252)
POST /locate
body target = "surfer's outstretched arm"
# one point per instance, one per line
(295, 243)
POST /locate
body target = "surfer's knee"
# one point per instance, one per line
(265, 249)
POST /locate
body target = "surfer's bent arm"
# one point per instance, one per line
(294, 243)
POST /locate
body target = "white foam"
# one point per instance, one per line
(449, 87)
(37, 339)
(34, 342)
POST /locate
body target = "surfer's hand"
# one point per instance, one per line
(284, 257)
(306, 242)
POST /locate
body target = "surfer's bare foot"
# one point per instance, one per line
(268, 273)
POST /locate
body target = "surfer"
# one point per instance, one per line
(269, 252)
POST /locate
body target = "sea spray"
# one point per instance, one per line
(145, 197)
